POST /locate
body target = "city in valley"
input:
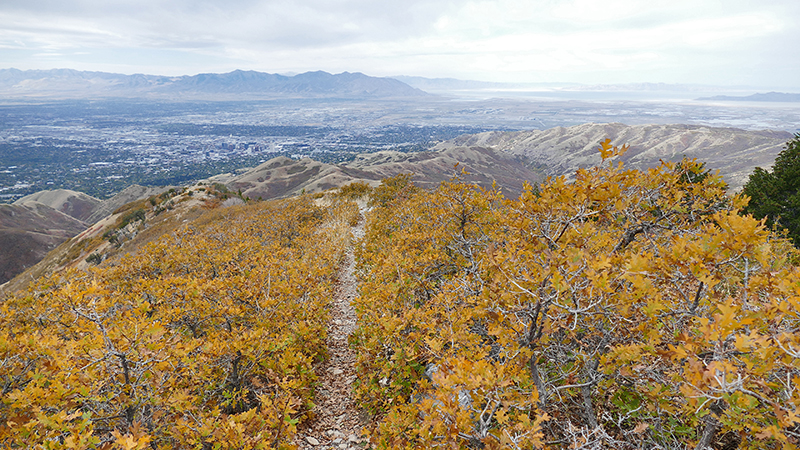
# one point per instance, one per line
(101, 146)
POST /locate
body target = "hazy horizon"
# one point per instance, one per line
(500, 84)
(732, 43)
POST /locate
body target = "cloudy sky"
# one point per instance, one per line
(720, 42)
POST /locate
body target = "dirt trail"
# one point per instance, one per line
(337, 424)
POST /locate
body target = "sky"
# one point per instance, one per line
(713, 42)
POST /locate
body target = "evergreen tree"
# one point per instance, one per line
(776, 194)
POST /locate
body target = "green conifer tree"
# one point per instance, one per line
(776, 194)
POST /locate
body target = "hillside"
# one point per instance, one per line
(74, 204)
(628, 309)
(280, 177)
(560, 151)
(28, 232)
(506, 158)
(484, 167)
(38, 223)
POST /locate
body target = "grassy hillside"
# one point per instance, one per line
(562, 151)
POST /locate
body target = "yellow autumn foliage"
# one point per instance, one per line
(622, 309)
(206, 338)
(618, 308)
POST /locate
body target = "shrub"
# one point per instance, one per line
(627, 309)
(355, 190)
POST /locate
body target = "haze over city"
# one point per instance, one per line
(728, 43)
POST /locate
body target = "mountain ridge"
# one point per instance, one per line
(505, 159)
(69, 83)
(279, 177)
(562, 150)
(282, 176)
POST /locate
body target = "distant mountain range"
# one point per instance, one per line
(767, 97)
(248, 84)
(68, 83)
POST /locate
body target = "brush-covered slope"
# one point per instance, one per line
(122, 198)
(207, 335)
(125, 229)
(734, 152)
(625, 310)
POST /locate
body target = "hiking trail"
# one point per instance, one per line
(337, 425)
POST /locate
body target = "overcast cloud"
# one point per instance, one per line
(730, 42)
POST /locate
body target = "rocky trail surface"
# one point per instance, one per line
(337, 424)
